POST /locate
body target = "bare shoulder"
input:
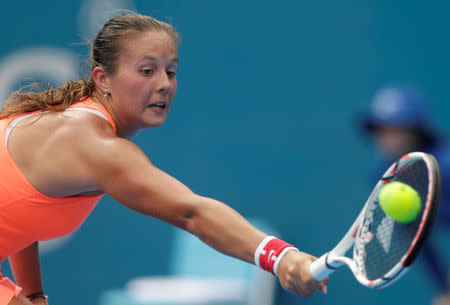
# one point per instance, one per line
(96, 146)
(82, 124)
(89, 136)
(63, 153)
(107, 160)
(66, 132)
(86, 130)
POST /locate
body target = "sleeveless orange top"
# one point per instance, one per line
(26, 215)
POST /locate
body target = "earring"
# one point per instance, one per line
(106, 93)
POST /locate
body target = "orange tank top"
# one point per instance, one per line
(26, 215)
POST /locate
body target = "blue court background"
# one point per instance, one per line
(263, 121)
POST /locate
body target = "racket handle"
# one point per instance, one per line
(319, 269)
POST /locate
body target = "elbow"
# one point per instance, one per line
(190, 217)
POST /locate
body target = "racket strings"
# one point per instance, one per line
(382, 242)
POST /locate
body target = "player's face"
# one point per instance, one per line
(144, 83)
(394, 142)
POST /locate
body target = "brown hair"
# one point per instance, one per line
(104, 52)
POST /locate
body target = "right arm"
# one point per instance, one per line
(126, 174)
(121, 169)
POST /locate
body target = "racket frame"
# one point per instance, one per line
(335, 258)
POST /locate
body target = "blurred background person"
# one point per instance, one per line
(397, 122)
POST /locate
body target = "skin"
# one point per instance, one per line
(442, 299)
(103, 161)
(395, 141)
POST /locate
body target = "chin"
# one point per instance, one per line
(156, 123)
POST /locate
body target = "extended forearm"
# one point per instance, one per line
(26, 268)
(224, 229)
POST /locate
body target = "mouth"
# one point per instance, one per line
(158, 107)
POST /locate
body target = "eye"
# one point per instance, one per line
(171, 74)
(147, 71)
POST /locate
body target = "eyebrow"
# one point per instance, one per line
(151, 58)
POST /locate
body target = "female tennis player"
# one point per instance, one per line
(62, 148)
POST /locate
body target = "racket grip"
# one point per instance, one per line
(319, 269)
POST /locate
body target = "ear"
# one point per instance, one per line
(100, 78)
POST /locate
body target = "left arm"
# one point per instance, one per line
(26, 269)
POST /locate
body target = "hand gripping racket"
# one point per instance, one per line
(383, 249)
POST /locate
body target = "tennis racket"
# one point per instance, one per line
(383, 249)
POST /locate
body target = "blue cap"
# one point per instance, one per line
(403, 107)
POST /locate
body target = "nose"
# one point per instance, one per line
(164, 84)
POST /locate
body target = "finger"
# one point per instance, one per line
(323, 288)
(323, 285)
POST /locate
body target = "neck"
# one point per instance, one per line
(122, 130)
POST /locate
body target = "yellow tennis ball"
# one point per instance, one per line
(400, 201)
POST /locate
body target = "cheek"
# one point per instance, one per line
(130, 92)
(130, 85)
(125, 92)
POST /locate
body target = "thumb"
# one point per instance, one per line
(323, 285)
(323, 288)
